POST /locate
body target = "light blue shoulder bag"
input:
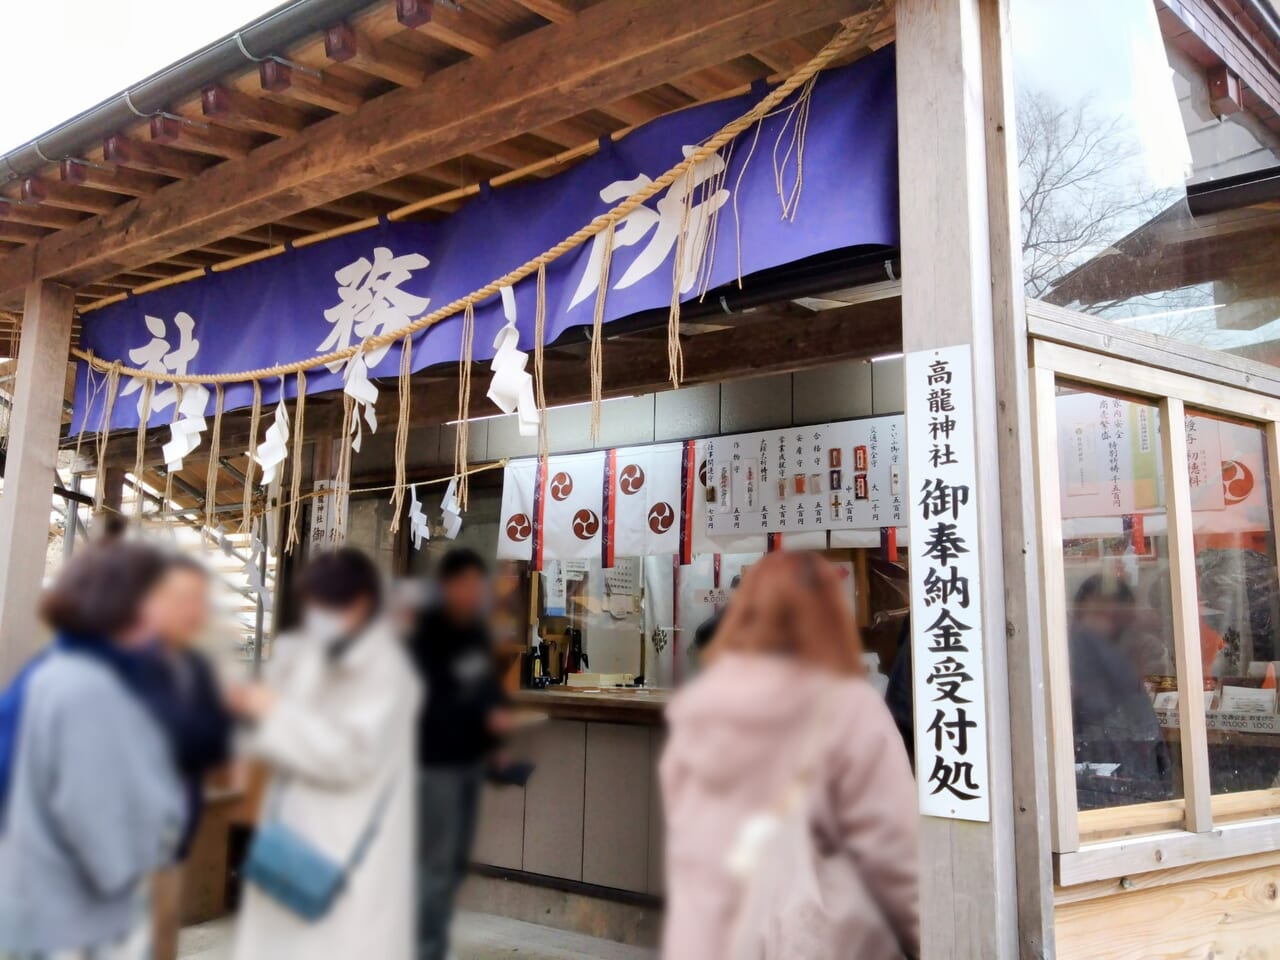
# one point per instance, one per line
(291, 870)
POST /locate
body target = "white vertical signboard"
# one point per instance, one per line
(946, 591)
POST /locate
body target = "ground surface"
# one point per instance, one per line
(477, 936)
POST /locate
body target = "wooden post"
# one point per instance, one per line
(968, 890)
(1184, 591)
(113, 489)
(30, 468)
(1023, 547)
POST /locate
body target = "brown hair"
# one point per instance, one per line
(99, 591)
(793, 604)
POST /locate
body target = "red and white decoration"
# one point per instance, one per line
(652, 501)
(644, 502)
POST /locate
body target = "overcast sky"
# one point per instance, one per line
(63, 56)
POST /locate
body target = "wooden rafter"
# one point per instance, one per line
(55, 193)
(459, 29)
(205, 138)
(113, 178)
(229, 106)
(152, 157)
(556, 11)
(344, 44)
(35, 215)
(19, 232)
(319, 91)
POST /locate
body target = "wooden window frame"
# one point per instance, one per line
(1099, 845)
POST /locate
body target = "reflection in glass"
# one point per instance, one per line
(1119, 616)
(1145, 198)
(1236, 573)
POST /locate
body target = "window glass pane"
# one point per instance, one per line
(1236, 574)
(1119, 614)
(1147, 187)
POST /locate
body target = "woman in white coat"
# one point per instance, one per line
(335, 722)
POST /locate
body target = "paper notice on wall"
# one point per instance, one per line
(845, 475)
(1109, 456)
(553, 587)
(946, 588)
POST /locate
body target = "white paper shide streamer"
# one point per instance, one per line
(252, 569)
(184, 432)
(512, 386)
(274, 448)
(451, 512)
(358, 386)
(419, 527)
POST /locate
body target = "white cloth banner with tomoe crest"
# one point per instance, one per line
(946, 588)
(645, 517)
(515, 530)
(568, 525)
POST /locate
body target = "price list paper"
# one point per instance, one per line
(946, 592)
(830, 476)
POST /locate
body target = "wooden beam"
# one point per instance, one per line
(783, 343)
(462, 30)
(230, 106)
(31, 468)
(570, 133)
(322, 91)
(68, 196)
(511, 155)
(613, 50)
(200, 137)
(1184, 598)
(556, 11)
(20, 232)
(152, 157)
(14, 211)
(116, 179)
(1016, 452)
(344, 44)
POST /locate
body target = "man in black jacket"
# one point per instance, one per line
(178, 685)
(464, 716)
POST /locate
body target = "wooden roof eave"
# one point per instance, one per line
(612, 49)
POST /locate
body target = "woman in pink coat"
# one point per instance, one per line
(782, 710)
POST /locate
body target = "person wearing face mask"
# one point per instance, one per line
(334, 721)
(465, 717)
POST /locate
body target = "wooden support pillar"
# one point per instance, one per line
(113, 493)
(30, 467)
(968, 889)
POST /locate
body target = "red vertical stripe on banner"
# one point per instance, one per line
(688, 487)
(889, 544)
(775, 542)
(608, 508)
(539, 511)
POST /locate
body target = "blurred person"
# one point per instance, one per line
(782, 729)
(175, 615)
(334, 721)
(464, 718)
(1112, 714)
(706, 631)
(95, 804)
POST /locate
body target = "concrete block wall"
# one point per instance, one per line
(841, 391)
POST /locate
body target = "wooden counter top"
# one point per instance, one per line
(619, 705)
